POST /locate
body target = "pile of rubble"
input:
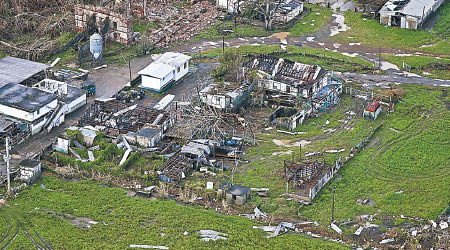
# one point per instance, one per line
(179, 24)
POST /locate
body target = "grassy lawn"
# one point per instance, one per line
(327, 59)
(420, 65)
(243, 30)
(311, 23)
(143, 26)
(414, 159)
(370, 33)
(442, 26)
(124, 220)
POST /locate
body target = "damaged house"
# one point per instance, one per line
(408, 14)
(225, 96)
(115, 14)
(288, 10)
(116, 118)
(297, 89)
(308, 177)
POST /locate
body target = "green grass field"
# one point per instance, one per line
(414, 159)
(371, 33)
(128, 221)
(420, 65)
(243, 30)
(327, 59)
(311, 23)
(442, 26)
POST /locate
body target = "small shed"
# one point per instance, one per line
(373, 110)
(148, 137)
(30, 170)
(235, 194)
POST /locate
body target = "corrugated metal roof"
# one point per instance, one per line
(17, 70)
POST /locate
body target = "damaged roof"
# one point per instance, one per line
(17, 70)
(173, 58)
(157, 70)
(285, 70)
(415, 8)
(24, 98)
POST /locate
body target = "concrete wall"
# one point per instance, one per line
(239, 200)
(216, 101)
(75, 104)
(121, 27)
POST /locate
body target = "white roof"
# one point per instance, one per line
(172, 58)
(157, 70)
(412, 8)
(166, 100)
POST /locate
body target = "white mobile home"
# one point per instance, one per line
(164, 71)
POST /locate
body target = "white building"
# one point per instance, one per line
(26, 104)
(225, 97)
(408, 14)
(164, 71)
(71, 96)
(288, 10)
(228, 5)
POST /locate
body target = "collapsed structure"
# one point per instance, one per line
(408, 14)
(115, 14)
(115, 118)
(308, 177)
(225, 97)
(300, 89)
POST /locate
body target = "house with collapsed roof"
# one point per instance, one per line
(164, 71)
(288, 10)
(284, 76)
(226, 97)
(408, 14)
(307, 178)
(298, 89)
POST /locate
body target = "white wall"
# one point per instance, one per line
(183, 71)
(216, 101)
(25, 115)
(75, 104)
(156, 83)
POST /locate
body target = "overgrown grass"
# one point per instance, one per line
(326, 59)
(133, 221)
(371, 33)
(143, 26)
(243, 30)
(414, 159)
(441, 28)
(311, 23)
(420, 65)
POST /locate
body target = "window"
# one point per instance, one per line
(185, 65)
(288, 89)
(234, 197)
(178, 70)
(115, 25)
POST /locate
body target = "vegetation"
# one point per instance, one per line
(143, 26)
(124, 220)
(441, 28)
(421, 65)
(311, 23)
(327, 59)
(371, 33)
(243, 30)
(412, 145)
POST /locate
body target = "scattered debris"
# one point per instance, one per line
(148, 246)
(207, 235)
(336, 228)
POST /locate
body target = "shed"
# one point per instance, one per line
(373, 110)
(148, 137)
(236, 194)
(30, 170)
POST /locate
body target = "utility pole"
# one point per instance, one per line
(6, 158)
(129, 69)
(332, 209)
(379, 58)
(223, 42)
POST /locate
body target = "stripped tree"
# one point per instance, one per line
(268, 8)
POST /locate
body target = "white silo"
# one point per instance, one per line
(96, 45)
